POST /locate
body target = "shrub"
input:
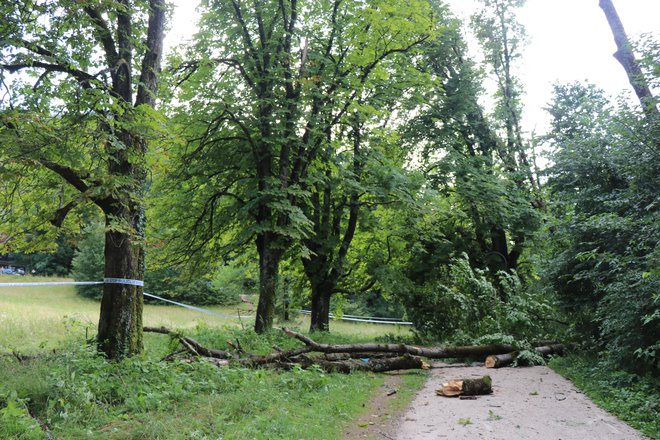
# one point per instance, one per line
(463, 304)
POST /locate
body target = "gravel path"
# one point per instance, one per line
(527, 403)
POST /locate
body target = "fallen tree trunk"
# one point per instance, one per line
(479, 351)
(375, 365)
(345, 358)
(503, 360)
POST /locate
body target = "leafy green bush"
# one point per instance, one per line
(463, 304)
(605, 191)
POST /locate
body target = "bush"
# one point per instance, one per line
(462, 304)
(604, 187)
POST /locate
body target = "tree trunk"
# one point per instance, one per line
(377, 365)
(503, 360)
(120, 322)
(625, 56)
(479, 351)
(321, 294)
(269, 261)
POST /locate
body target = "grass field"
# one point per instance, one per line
(69, 392)
(43, 316)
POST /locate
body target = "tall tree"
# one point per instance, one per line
(80, 111)
(366, 174)
(502, 37)
(626, 58)
(268, 100)
(475, 165)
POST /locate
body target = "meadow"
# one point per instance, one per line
(67, 391)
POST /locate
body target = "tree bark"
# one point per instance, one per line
(480, 351)
(500, 360)
(120, 320)
(320, 316)
(625, 56)
(269, 260)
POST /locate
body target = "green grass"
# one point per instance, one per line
(55, 312)
(72, 392)
(632, 398)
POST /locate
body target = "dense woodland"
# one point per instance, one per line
(335, 155)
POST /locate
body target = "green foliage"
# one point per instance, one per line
(81, 395)
(233, 280)
(631, 397)
(604, 182)
(88, 262)
(15, 421)
(460, 303)
(57, 262)
(528, 357)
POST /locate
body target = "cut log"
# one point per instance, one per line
(466, 387)
(500, 360)
(547, 350)
(477, 387)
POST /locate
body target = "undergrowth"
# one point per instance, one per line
(633, 398)
(74, 393)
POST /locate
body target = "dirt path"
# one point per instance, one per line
(527, 403)
(377, 420)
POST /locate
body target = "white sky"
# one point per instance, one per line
(569, 40)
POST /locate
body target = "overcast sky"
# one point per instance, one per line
(569, 40)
